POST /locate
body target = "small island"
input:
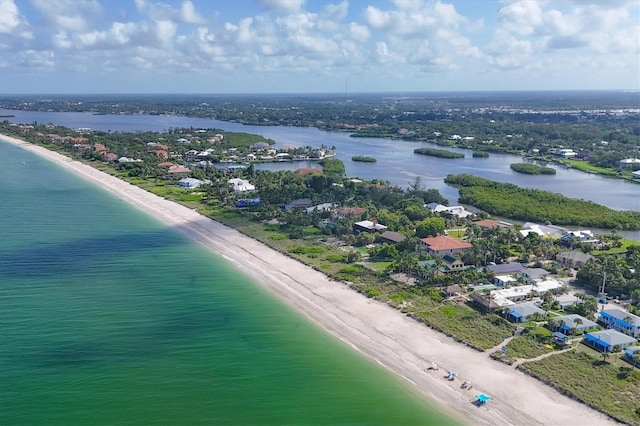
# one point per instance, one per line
(480, 154)
(363, 159)
(441, 153)
(532, 169)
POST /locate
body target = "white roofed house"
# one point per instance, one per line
(240, 185)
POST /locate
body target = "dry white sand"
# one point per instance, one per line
(382, 333)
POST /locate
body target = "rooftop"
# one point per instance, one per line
(445, 242)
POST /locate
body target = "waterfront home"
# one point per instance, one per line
(368, 226)
(525, 312)
(490, 224)
(391, 237)
(620, 320)
(240, 185)
(571, 323)
(548, 231)
(636, 174)
(608, 340)
(458, 211)
(578, 236)
(629, 162)
(567, 153)
(573, 258)
(443, 244)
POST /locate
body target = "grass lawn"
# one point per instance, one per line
(608, 387)
(379, 266)
(586, 167)
(622, 249)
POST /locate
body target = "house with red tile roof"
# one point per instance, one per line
(179, 171)
(441, 245)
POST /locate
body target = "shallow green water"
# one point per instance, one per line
(107, 317)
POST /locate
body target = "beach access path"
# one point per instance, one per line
(395, 341)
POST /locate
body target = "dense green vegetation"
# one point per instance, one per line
(480, 154)
(363, 158)
(441, 153)
(622, 271)
(614, 389)
(332, 167)
(532, 169)
(508, 200)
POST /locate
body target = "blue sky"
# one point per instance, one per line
(308, 46)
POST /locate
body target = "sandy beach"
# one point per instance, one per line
(378, 331)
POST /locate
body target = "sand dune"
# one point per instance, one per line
(392, 339)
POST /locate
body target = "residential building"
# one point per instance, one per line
(506, 268)
(444, 244)
(573, 258)
(579, 236)
(240, 185)
(571, 323)
(324, 207)
(350, 212)
(525, 312)
(449, 210)
(549, 231)
(453, 290)
(391, 237)
(178, 171)
(620, 320)
(368, 226)
(505, 280)
(298, 203)
(608, 340)
(192, 182)
(490, 223)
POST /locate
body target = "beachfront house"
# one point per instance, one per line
(620, 320)
(608, 340)
(443, 244)
(525, 312)
(571, 324)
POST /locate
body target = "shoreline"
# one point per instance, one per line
(393, 340)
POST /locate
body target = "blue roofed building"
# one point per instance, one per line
(620, 320)
(608, 340)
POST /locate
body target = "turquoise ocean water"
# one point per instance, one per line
(109, 317)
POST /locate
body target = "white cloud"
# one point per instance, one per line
(12, 24)
(70, 15)
(163, 12)
(287, 6)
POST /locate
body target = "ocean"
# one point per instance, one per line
(110, 317)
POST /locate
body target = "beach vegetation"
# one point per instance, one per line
(608, 390)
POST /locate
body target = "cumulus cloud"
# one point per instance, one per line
(287, 6)
(70, 15)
